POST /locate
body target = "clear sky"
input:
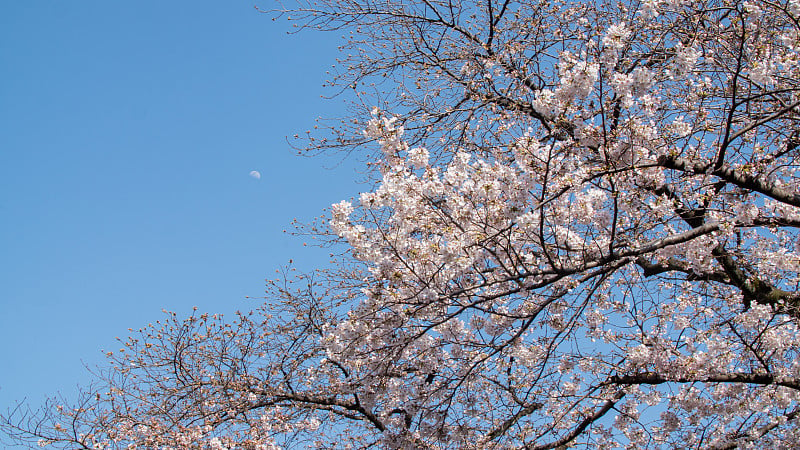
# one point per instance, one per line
(128, 131)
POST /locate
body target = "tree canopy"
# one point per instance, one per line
(582, 231)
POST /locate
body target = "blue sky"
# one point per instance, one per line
(127, 134)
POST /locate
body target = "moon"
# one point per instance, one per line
(255, 174)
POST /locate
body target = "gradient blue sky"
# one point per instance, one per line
(127, 134)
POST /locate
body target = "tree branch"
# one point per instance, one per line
(732, 176)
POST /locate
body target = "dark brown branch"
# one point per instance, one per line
(732, 176)
(650, 269)
(746, 378)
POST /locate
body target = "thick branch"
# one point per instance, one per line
(747, 378)
(650, 269)
(327, 401)
(732, 176)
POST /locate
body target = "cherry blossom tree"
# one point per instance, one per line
(581, 231)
